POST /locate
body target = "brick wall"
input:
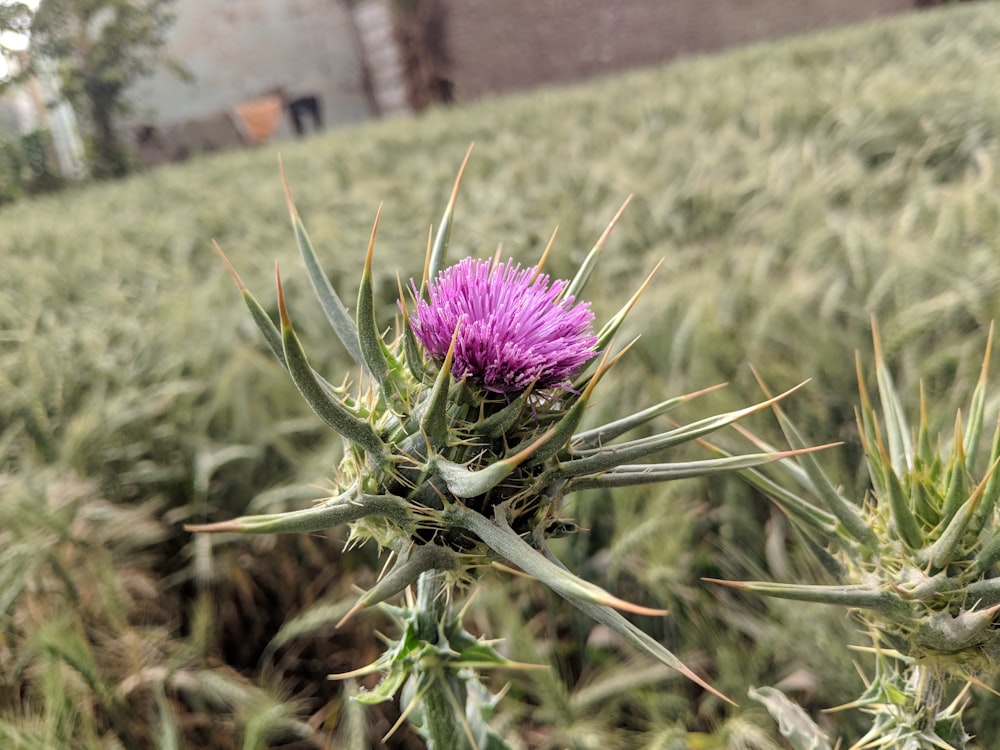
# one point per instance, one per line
(494, 46)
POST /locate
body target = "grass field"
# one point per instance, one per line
(795, 190)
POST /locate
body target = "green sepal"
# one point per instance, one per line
(925, 502)
(638, 474)
(379, 361)
(598, 436)
(957, 481)
(440, 246)
(802, 512)
(467, 483)
(579, 281)
(845, 511)
(990, 495)
(434, 422)
(500, 538)
(941, 553)
(902, 517)
(558, 437)
(333, 308)
(985, 593)
(977, 406)
(896, 428)
(815, 543)
(596, 460)
(614, 620)
(345, 508)
(412, 351)
(876, 459)
(987, 557)
(330, 410)
(574, 403)
(609, 329)
(927, 458)
(861, 596)
(968, 629)
(272, 336)
(266, 326)
(500, 422)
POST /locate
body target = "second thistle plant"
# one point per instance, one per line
(918, 560)
(462, 446)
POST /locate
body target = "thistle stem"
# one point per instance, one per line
(441, 726)
(432, 604)
(929, 689)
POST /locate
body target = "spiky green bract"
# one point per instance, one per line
(452, 475)
(906, 707)
(916, 560)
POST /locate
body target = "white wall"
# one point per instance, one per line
(239, 49)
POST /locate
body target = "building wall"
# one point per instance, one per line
(493, 47)
(241, 50)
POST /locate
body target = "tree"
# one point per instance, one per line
(15, 24)
(15, 17)
(99, 48)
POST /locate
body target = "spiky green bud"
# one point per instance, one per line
(917, 558)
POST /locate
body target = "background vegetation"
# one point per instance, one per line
(795, 190)
(96, 51)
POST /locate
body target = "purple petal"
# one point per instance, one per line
(513, 330)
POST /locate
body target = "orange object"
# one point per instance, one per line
(257, 119)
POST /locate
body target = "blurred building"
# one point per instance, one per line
(264, 69)
(260, 69)
(273, 69)
(492, 47)
(464, 49)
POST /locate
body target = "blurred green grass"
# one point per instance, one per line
(795, 190)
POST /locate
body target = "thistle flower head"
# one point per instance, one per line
(450, 461)
(514, 328)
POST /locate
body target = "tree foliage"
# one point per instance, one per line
(15, 17)
(15, 25)
(99, 49)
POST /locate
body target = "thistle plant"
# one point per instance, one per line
(916, 560)
(460, 445)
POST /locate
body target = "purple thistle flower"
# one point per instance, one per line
(513, 328)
